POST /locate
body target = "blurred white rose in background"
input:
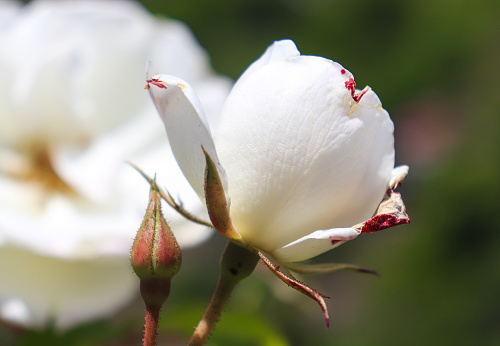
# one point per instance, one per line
(72, 111)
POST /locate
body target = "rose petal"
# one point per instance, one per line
(300, 153)
(187, 129)
(278, 51)
(314, 244)
(398, 175)
(73, 291)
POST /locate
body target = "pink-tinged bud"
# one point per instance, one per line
(155, 253)
(156, 257)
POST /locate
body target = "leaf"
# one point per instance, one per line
(302, 288)
(170, 201)
(324, 268)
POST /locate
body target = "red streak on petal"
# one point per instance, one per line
(157, 82)
(359, 95)
(351, 86)
(382, 221)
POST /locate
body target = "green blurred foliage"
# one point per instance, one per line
(434, 64)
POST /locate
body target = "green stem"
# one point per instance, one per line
(237, 263)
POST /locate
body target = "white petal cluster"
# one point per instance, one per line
(72, 111)
(306, 155)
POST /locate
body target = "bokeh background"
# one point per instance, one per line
(435, 66)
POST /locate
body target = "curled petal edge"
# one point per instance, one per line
(398, 175)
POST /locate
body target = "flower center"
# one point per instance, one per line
(36, 166)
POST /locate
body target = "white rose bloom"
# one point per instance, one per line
(302, 155)
(72, 111)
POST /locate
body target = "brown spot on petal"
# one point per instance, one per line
(181, 86)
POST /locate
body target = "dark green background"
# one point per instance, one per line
(434, 64)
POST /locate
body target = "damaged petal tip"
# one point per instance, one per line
(383, 221)
(391, 212)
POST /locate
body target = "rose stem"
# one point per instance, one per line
(237, 263)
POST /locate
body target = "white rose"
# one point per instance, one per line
(303, 156)
(72, 111)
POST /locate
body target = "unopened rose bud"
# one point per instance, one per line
(156, 257)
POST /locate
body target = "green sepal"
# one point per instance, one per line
(217, 205)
